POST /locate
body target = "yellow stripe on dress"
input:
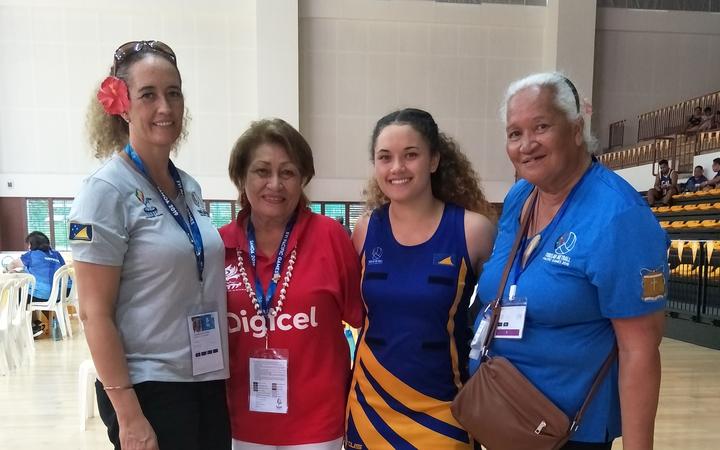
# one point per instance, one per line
(365, 429)
(451, 323)
(413, 432)
(411, 398)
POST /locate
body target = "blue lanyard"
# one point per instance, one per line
(263, 299)
(192, 231)
(518, 266)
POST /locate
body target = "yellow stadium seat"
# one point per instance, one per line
(677, 224)
(664, 224)
(710, 223)
(704, 206)
(690, 207)
(677, 208)
(693, 224)
(715, 191)
(663, 209)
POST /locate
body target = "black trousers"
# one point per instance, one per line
(184, 416)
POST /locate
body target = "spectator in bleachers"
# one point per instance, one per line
(708, 121)
(693, 183)
(665, 185)
(693, 123)
(715, 181)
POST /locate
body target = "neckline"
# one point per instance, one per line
(421, 244)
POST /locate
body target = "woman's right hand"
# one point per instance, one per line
(138, 434)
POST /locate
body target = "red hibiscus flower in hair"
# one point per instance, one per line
(113, 95)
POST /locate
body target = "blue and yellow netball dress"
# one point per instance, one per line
(411, 359)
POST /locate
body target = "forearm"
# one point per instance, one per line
(111, 365)
(639, 383)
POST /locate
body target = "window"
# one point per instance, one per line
(356, 210)
(50, 216)
(316, 208)
(221, 213)
(336, 211)
(38, 215)
(61, 224)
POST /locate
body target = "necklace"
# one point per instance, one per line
(273, 311)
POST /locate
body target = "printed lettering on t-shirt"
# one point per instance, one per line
(564, 245)
(282, 322)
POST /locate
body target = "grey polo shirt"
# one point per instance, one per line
(119, 219)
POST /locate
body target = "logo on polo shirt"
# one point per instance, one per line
(564, 245)
(376, 255)
(149, 209)
(281, 322)
(232, 279)
(199, 205)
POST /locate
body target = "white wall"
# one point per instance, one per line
(645, 60)
(53, 56)
(360, 60)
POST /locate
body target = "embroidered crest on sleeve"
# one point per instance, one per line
(80, 232)
(653, 285)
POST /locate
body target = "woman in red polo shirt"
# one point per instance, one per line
(292, 278)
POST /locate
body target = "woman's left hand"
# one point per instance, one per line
(638, 341)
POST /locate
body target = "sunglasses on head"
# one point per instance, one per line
(133, 47)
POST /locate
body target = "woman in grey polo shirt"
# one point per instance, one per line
(149, 266)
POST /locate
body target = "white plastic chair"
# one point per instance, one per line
(22, 319)
(57, 299)
(86, 391)
(6, 356)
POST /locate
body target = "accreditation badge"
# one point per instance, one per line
(269, 381)
(512, 318)
(205, 343)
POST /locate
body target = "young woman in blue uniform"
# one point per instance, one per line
(421, 249)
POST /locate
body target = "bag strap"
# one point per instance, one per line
(604, 369)
(522, 232)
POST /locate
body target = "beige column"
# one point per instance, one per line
(277, 60)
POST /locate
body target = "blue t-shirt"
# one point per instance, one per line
(42, 266)
(596, 261)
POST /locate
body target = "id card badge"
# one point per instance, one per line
(269, 381)
(205, 343)
(512, 318)
(476, 345)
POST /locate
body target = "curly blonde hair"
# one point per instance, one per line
(107, 133)
(454, 180)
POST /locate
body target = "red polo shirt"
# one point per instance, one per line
(324, 291)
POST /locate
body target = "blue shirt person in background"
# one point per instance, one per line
(42, 262)
(593, 273)
(693, 183)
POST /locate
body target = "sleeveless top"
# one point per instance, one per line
(666, 180)
(412, 356)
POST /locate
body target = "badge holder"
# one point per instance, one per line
(268, 391)
(511, 322)
(205, 343)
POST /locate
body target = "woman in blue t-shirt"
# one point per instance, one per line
(42, 262)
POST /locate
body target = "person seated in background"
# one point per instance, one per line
(665, 185)
(693, 123)
(694, 181)
(42, 262)
(707, 120)
(715, 181)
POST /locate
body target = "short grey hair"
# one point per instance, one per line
(566, 101)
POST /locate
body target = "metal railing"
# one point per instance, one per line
(617, 134)
(679, 150)
(694, 285)
(673, 119)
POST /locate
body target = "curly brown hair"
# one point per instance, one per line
(454, 180)
(107, 133)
